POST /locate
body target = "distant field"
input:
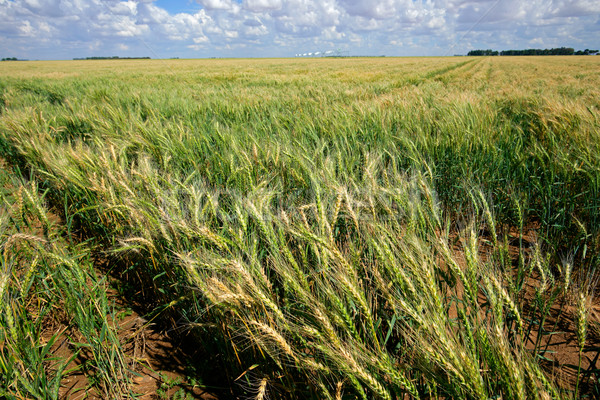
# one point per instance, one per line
(314, 228)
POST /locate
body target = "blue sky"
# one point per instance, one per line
(64, 29)
(178, 6)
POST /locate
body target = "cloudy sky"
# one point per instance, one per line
(64, 29)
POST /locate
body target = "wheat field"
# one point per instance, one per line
(336, 228)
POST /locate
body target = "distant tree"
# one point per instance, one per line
(566, 51)
(488, 52)
(558, 51)
(113, 58)
(561, 51)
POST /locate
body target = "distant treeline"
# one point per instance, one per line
(559, 51)
(10, 59)
(113, 58)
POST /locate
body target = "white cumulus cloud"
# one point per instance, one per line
(75, 28)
